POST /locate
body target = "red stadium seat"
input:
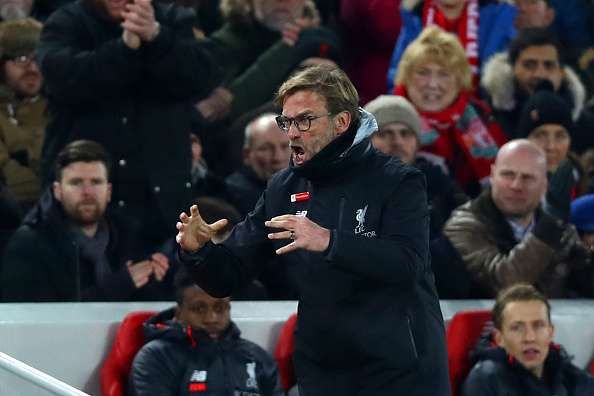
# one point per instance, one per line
(462, 335)
(283, 353)
(128, 340)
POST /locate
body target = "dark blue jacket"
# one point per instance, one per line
(496, 374)
(370, 296)
(177, 361)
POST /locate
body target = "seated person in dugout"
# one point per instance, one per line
(524, 359)
(195, 348)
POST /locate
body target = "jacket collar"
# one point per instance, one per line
(344, 152)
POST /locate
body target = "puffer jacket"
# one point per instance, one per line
(179, 360)
(375, 270)
(498, 374)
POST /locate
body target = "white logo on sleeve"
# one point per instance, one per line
(198, 376)
(251, 382)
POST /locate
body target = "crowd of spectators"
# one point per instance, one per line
(179, 95)
(116, 115)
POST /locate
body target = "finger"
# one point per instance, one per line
(278, 224)
(179, 239)
(159, 257)
(180, 226)
(219, 225)
(194, 211)
(132, 27)
(287, 248)
(161, 265)
(284, 217)
(184, 217)
(280, 235)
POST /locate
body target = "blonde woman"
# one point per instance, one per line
(457, 131)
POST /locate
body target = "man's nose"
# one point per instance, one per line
(293, 133)
(530, 334)
(516, 183)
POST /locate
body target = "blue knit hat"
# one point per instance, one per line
(582, 213)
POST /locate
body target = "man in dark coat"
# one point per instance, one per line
(124, 74)
(524, 359)
(68, 249)
(351, 225)
(195, 348)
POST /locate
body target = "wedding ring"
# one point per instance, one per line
(292, 234)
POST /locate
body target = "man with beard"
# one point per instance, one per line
(23, 114)
(505, 236)
(123, 73)
(69, 249)
(351, 226)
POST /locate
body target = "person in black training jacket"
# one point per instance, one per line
(351, 225)
(195, 349)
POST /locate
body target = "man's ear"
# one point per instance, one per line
(498, 337)
(246, 155)
(342, 122)
(57, 190)
(109, 191)
(550, 16)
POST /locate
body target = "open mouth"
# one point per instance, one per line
(531, 353)
(298, 155)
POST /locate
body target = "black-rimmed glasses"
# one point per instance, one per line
(302, 123)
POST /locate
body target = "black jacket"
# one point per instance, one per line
(137, 103)
(42, 260)
(497, 374)
(177, 359)
(244, 188)
(371, 295)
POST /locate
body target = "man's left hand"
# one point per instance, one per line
(139, 18)
(304, 233)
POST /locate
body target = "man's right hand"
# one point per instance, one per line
(194, 232)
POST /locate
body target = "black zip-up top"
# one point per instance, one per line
(370, 296)
(179, 361)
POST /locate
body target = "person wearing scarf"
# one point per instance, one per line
(484, 27)
(457, 132)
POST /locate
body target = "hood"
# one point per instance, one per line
(165, 326)
(498, 82)
(343, 152)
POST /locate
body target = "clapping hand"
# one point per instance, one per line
(139, 23)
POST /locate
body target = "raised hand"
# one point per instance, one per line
(304, 233)
(194, 232)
